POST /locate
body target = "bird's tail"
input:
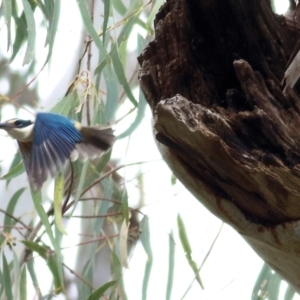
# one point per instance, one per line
(98, 137)
(96, 141)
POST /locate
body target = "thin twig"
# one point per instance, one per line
(204, 260)
(78, 276)
(100, 238)
(15, 219)
(97, 216)
(115, 170)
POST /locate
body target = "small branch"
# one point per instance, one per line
(78, 276)
(15, 219)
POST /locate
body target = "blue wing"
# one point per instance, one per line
(54, 139)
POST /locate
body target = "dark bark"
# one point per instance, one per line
(212, 77)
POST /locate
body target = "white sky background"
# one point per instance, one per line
(232, 267)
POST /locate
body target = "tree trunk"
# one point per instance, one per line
(223, 122)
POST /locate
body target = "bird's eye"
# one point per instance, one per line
(18, 123)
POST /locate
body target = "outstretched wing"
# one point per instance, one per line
(54, 138)
(95, 142)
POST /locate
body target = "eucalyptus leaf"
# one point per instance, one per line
(53, 13)
(82, 5)
(101, 290)
(14, 172)
(31, 30)
(52, 262)
(170, 267)
(58, 199)
(187, 249)
(264, 276)
(142, 105)
(66, 105)
(32, 273)
(23, 285)
(107, 4)
(37, 200)
(9, 222)
(6, 279)
(145, 240)
(7, 11)
(120, 73)
(119, 6)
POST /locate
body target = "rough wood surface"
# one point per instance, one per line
(224, 125)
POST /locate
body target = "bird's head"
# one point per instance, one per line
(19, 129)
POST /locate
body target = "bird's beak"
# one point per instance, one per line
(6, 125)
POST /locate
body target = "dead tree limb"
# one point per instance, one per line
(212, 77)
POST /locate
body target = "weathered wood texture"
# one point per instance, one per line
(212, 77)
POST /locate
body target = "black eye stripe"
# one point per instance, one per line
(22, 123)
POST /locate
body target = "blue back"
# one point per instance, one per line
(47, 124)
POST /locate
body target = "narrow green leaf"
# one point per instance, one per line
(145, 240)
(66, 105)
(86, 18)
(42, 7)
(84, 290)
(125, 206)
(123, 243)
(93, 172)
(105, 18)
(37, 200)
(154, 10)
(53, 265)
(117, 274)
(80, 185)
(14, 172)
(112, 95)
(58, 199)
(8, 222)
(7, 11)
(17, 274)
(142, 43)
(123, 52)
(187, 249)
(49, 8)
(183, 236)
(6, 279)
(100, 67)
(289, 293)
(1, 285)
(264, 275)
(31, 32)
(138, 119)
(119, 69)
(51, 260)
(101, 290)
(173, 179)
(120, 7)
(21, 32)
(125, 32)
(54, 13)
(32, 273)
(273, 287)
(104, 206)
(35, 247)
(23, 285)
(171, 266)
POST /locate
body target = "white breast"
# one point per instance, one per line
(22, 134)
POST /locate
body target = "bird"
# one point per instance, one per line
(49, 140)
